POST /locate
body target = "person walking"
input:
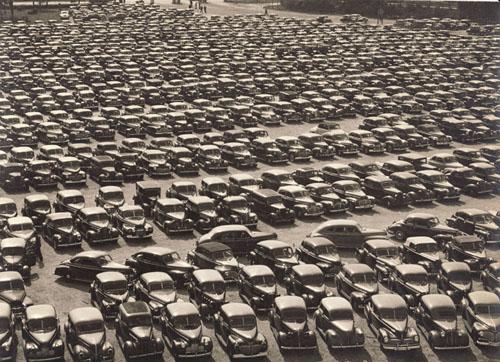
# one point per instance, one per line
(380, 12)
(37, 248)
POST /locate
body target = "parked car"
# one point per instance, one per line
(170, 215)
(411, 281)
(8, 209)
(307, 281)
(479, 312)
(383, 189)
(475, 222)
(15, 257)
(277, 255)
(209, 157)
(381, 255)
(130, 221)
(58, 230)
(13, 294)
(257, 286)
(354, 194)
(157, 290)
(108, 291)
(317, 145)
(269, 206)
(86, 335)
(321, 252)
(489, 173)
(470, 249)
(335, 324)
(94, 225)
(346, 233)
(69, 172)
(293, 148)
(366, 142)
(69, 201)
(207, 292)
(236, 210)
(238, 155)
(424, 251)
(183, 319)
(288, 320)
(436, 317)
(110, 198)
(454, 279)
(387, 316)
(102, 170)
(36, 207)
(13, 178)
(215, 255)
(242, 184)
(339, 139)
(410, 184)
(298, 199)
(38, 174)
(490, 277)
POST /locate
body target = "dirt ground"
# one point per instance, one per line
(47, 288)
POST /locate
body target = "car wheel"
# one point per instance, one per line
(400, 235)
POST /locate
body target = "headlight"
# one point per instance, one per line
(58, 343)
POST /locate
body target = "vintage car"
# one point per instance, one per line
(8, 209)
(214, 187)
(182, 331)
(134, 331)
(392, 142)
(242, 184)
(411, 136)
(238, 155)
(288, 321)
(59, 231)
(465, 178)
(159, 258)
(41, 334)
(102, 170)
(236, 329)
(366, 142)
(22, 155)
(198, 119)
(20, 227)
(265, 115)
(69, 172)
(335, 324)
(387, 316)
(13, 293)
(317, 145)
(475, 222)
(384, 190)
(337, 171)
(307, 175)
(422, 224)
(130, 221)
(490, 152)
(325, 194)
(82, 151)
(75, 130)
(454, 279)
(257, 286)
(203, 212)
(489, 173)
(129, 125)
(128, 165)
(38, 174)
(181, 160)
(381, 255)
(444, 162)
(99, 128)
(50, 152)
(108, 291)
(339, 139)
(354, 194)
(277, 255)
(490, 276)
(215, 255)
(236, 210)
(293, 148)
(207, 291)
(156, 289)
(268, 205)
(410, 184)
(321, 252)
(69, 201)
(182, 190)
(12, 177)
(51, 133)
(110, 198)
(21, 135)
(300, 201)
(94, 224)
(146, 195)
(411, 281)
(86, 336)
(154, 124)
(346, 233)
(265, 149)
(467, 156)
(436, 317)
(480, 311)
(308, 282)
(424, 251)
(365, 168)
(36, 207)
(393, 166)
(209, 158)
(14, 256)
(469, 249)
(436, 137)
(170, 215)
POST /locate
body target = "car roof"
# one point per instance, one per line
(380, 243)
(451, 266)
(292, 188)
(13, 243)
(179, 309)
(483, 297)
(90, 254)
(273, 244)
(388, 301)
(409, 269)
(420, 215)
(241, 176)
(110, 276)
(417, 240)
(335, 303)
(266, 192)
(92, 210)
(200, 199)
(155, 277)
(128, 207)
(36, 197)
(403, 175)
(317, 241)
(435, 301)
(59, 216)
(257, 270)
(213, 180)
(10, 275)
(106, 189)
(19, 220)
(85, 314)
(472, 212)
(169, 201)
(6, 200)
(306, 269)
(236, 310)
(134, 308)
(6, 311)
(357, 268)
(155, 250)
(148, 184)
(39, 311)
(212, 246)
(207, 275)
(289, 302)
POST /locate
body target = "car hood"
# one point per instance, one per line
(163, 296)
(109, 169)
(241, 210)
(92, 339)
(453, 165)
(77, 206)
(433, 256)
(208, 214)
(446, 325)
(418, 288)
(444, 185)
(291, 261)
(417, 187)
(7, 215)
(177, 215)
(280, 206)
(391, 262)
(190, 334)
(398, 326)
(72, 169)
(461, 286)
(246, 334)
(142, 332)
(330, 197)
(295, 327)
(180, 264)
(491, 227)
(43, 337)
(13, 295)
(136, 221)
(306, 200)
(345, 326)
(492, 323)
(12, 259)
(369, 288)
(100, 224)
(27, 234)
(475, 254)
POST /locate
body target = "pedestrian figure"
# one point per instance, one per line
(265, 11)
(38, 250)
(190, 4)
(380, 12)
(205, 8)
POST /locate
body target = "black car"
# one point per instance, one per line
(162, 259)
(14, 256)
(269, 206)
(354, 194)
(410, 184)
(170, 215)
(454, 279)
(470, 250)
(384, 190)
(381, 255)
(215, 255)
(418, 161)
(108, 291)
(36, 207)
(41, 334)
(209, 158)
(317, 145)
(276, 178)
(411, 281)
(293, 148)
(393, 166)
(69, 172)
(265, 149)
(489, 173)
(182, 331)
(424, 251)
(182, 190)
(85, 265)
(365, 168)
(127, 164)
(325, 194)
(339, 139)
(59, 231)
(207, 291)
(214, 187)
(154, 163)
(202, 210)
(422, 224)
(94, 225)
(157, 290)
(366, 142)
(8, 209)
(242, 184)
(321, 252)
(490, 277)
(436, 137)
(411, 136)
(306, 175)
(307, 281)
(257, 286)
(38, 174)
(12, 177)
(479, 311)
(475, 222)
(102, 170)
(182, 161)
(69, 201)
(300, 201)
(236, 210)
(130, 221)
(146, 195)
(288, 321)
(238, 155)
(392, 142)
(333, 172)
(13, 293)
(110, 198)
(277, 255)
(466, 179)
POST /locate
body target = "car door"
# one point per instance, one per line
(85, 269)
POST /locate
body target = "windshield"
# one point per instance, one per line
(8, 208)
(213, 287)
(427, 248)
(13, 251)
(238, 204)
(460, 276)
(390, 251)
(284, 177)
(206, 206)
(352, 187)
(98, 217)
(163, 285)
(15, 284)
(171, 257)
(341, 315)
(248, 182)
(438, 178)
(419, 279)
(128, 158)
(316, 280)
(294, 315)
(139, 320)
(114, 196)
(107, 163)
(134, 214)
(41, 205)
(218, 187)
(364, 278)
(187, 322)
(326, 250)
(175, 208)
(61, 223)
(74, 200)
(473, 246)
(285, 252)
(396, 314)
(264, 280)
(212, 152)
(90, 327)
(387, 184)
(186, 189)
(371, 168)
(247, 322)
(115, 287)
(445, 314)
(21, 227)
(71, 164)
(483, 219)
(40, 167)
(43, 325)
(489, 310)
